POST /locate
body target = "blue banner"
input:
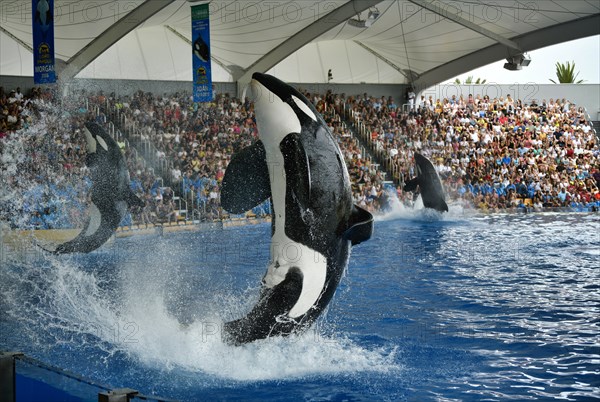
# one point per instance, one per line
(43, 41)
(201, 54)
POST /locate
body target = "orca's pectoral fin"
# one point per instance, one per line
(246, 182)
(360, 226)
(133, 200)
(297, 167)
(411, 184)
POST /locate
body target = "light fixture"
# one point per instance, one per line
(518, 61)
(360, 23)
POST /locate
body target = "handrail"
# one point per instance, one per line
(588, 117)
(369, 150)
(119, 137)
(8, 372)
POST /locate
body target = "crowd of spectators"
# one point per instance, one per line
(200, 139)
(491, 153)
(43, 161)
(367, 180)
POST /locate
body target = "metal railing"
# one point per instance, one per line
(134, 135)
(116, 134)
(381, 155)
(127, 130)
(9, 390)
(588, 118)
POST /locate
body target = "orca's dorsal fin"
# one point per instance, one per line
(411, 184)
(360, 226)
(246, 182)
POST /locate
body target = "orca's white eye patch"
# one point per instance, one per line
(304, 107)
(90, 141)
(102, 142)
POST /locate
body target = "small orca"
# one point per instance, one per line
(430, 185)
(110, 192)
(298, 164)
(43, 15)
(201, 49)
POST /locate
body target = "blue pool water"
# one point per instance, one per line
(464, 307)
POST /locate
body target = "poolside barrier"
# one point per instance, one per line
(64, 382)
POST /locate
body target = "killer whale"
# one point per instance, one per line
(430, 185)
(298, 164)
(110, 193)
(201, 49)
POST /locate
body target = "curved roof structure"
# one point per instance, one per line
(370, 41)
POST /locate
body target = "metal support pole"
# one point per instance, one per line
(8, 387)
(117, 395)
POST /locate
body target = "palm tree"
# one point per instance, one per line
(564, 73)
(469, 81)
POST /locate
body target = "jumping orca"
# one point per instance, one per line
(298, 164)
(430, 185)
(110, 192)
(201, 49)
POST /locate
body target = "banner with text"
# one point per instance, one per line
(201, 54)
(43, 41)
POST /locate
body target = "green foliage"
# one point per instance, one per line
(469, 81)
(565, 73)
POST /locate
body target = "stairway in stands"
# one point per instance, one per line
(596, 127)
(125, 130)
(380, 160)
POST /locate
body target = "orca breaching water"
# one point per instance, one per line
(298, 164)
(110, 193)
(430, 185)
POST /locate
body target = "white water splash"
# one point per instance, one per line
(130, 311)
(418, 212)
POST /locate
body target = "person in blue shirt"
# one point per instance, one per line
(487, 189)
(562, 196)
(521, 189)
(523, 150)
(531, 189)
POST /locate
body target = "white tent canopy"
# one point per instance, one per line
(392, 41)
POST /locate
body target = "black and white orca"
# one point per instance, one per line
(110, 192)
(201, 49)
(430, 185)
(298, 164)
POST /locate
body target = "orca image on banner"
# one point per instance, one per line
(43, 41)
(201, 54)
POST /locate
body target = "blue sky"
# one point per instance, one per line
(584, 52)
